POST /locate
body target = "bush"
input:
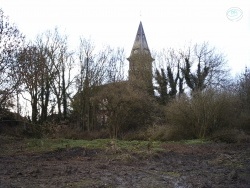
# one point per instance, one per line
(85, 135)
(242, 88)
(158, 133)
(230, 136)
(167, 133)
(135, 135)
(14, 124)
(202, 114)
(32, 131)
(65, 130)
(127, 109)
(244, 121)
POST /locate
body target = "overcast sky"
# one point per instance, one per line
(225, 24)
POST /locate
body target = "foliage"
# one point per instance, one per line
(11, 123)
(195, 81)
(127, 109)
(162, 82)
(230, 136)
(108, 145)
(31, 65)
(169, 79)
(210, 71)
(204, 113)
(104, 105)
(167, 133)
(11, 41)
(243, 92)
(198, 67)
(96, 69)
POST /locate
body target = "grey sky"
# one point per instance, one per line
(166, 23)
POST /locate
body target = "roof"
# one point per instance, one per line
(140, 43)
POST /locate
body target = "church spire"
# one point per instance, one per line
(140, 63)
(140, 44)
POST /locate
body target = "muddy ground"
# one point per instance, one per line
(176, 165)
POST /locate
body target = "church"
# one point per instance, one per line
(140, 81)
(140, 63)
(108, 102)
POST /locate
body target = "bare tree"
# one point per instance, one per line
(46, 78)
(66, 61)
(46, 67)
(115, 64)
(86, 56)
(96, 68)
(31, 65)
(244, 89)
(11, 41)
(211, 67)
(60, 63)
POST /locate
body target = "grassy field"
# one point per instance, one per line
(43, 145)
(51, 144)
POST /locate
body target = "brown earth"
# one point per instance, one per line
(176, 165)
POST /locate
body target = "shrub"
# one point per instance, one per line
(167, 133)
(135, 135)
(244, 121)
(230, 136)
(158, 133)
(127, 109)
(65, 130)
(33, 131)
(203, 113)
(242, 88)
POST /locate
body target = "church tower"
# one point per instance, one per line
(140, 63)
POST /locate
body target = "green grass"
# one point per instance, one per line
(43, 145)
(39, 145)
(52, 144)
(194, 141)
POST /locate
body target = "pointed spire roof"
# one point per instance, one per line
(140, 43)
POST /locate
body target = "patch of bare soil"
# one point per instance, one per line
(177, 165)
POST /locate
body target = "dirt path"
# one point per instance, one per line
(177, 165)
